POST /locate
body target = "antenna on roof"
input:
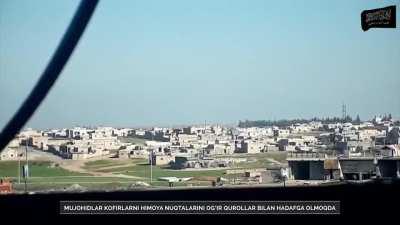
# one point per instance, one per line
(344, 113)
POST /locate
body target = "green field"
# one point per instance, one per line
(63, 186)
(143, 170)
(83, 179)
(36, 169)
(48, 176)
(108, 166)
(259, 160)
(278, 156)
(140, 168)
(98, 164)
(99, 186)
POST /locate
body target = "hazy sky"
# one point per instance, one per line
(178, 62)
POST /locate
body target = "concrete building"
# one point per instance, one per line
(182, 162)
(39, 142)
(88, 148)
(300, 128)
(389, 151)
(123, 132)
(162, 160)
(79, 133)
(281, 132)
(320, 167)
(81, 151)
(223, 149)
(11, 151)
(250, 147)
(185, 140)
(133, 151)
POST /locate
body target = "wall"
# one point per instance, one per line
(388, 168)
(317, 171)
(300, 170)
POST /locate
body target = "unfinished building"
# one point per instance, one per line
(320, 167)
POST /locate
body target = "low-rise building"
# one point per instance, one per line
(182, 162)
(161, 160)
(11, 151)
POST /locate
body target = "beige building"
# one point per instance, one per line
(82, 149)
(11, 151)
(161, 160)
(187, 139)
(133, 151)
(39, 142)
(223, 149)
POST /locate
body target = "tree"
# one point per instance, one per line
(348, 119)
(358, 120)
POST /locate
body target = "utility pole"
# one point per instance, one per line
(344, 112)
(26, 168)
(151, 161)
(283, 176)
(19, 168)
(151, 166)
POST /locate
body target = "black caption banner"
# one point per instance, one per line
(381, 18)
(200, 207)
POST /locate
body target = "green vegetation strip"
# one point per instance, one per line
(143, 170)
(103, 165)
(99, 185)
(79, 179)
(92, 165)
(36, 168)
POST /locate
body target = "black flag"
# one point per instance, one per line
(382, 18)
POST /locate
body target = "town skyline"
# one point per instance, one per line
(233, 124)
(178, 62)
(253, 153)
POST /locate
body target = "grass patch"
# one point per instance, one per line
(101, 163)
(92, 179)
(63, 186)
(254, 164)
(98, 186)
(143, 170)
(36, 169)
(278, 156)
(116, 166)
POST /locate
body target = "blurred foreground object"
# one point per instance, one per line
(5, 186)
